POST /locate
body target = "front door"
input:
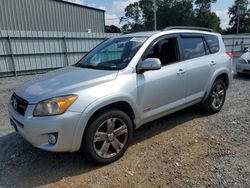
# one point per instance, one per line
(162, 90)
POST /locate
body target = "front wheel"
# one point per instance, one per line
(107, 137)
(216, 98)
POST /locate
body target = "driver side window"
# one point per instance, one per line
(166, 50)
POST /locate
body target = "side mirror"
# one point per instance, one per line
(149, 64)
(246, 49)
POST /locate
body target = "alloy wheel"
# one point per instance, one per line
(218, 96)
(110, 137)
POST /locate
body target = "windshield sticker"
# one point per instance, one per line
(139, 39)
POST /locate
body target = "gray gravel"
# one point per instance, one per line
(186, 149)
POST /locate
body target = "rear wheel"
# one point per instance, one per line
(108, 137)
(216, 98)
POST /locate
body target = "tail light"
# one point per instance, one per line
(230, 54)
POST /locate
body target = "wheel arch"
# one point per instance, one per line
(96, 108)
(120, 105)
(221, 74)
(225, 78)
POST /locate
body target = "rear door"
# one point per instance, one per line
(199, 64)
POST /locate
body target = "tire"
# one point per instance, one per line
(107, 137)
(216, 97)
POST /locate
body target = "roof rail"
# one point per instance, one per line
(188, 28)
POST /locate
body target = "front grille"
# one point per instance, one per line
(19, 104)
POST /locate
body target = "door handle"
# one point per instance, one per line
(212, 63)
(181, 71)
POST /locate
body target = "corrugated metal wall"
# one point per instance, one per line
(49, 15)
(23, 52)
(236, 43)
(26, 52)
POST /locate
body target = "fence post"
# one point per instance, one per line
(12, 55)
(242, 44)
(66, 50)
(233, 45)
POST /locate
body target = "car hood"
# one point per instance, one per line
(62, 82)
(246, 56)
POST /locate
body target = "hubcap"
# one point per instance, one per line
(218, 96)
(110, 137)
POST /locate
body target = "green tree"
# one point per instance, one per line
(148, 13)
(175, 13)
(112, 29)
(140, 15)
(204, 16)
(209, 20)
(133, 18)
(239, 8)
(169, 13)
(203, 6)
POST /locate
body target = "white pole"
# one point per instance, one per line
(155, 21)
(238, 17)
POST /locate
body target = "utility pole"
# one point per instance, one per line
(238, 17)
(155, 20)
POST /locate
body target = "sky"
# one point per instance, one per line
(115, 9)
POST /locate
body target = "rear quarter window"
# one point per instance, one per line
(213, 43)
(193, 47)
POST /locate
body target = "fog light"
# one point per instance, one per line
(52, 138)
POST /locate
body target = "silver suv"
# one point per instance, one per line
(123, 83)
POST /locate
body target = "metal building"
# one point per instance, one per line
(41, 35)
(50, 15)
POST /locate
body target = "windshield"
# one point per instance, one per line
(113, 54)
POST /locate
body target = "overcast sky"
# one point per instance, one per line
(115, 9)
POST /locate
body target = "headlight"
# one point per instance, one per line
(54, 106)
(242, 61)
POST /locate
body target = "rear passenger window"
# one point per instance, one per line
(213, 43)
(193, 47)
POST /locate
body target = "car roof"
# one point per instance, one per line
(141, 34)
(151, 33)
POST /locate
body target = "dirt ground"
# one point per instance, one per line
(186, 149)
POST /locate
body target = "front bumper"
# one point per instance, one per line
(36, 130)
(243, 68)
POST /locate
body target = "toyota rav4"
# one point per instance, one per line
(123, 83)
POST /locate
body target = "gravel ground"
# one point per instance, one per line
(186, 149)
